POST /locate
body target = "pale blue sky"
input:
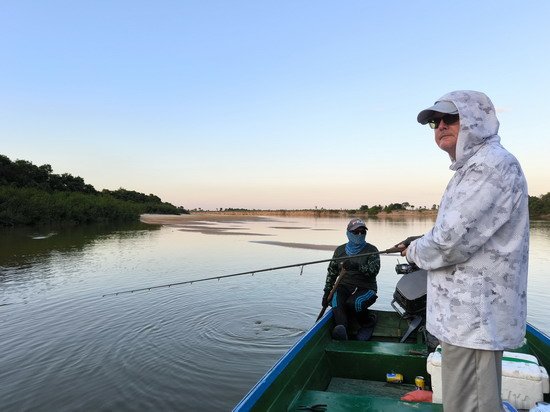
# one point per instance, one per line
(266, 104)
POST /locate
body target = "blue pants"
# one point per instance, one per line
(351, 300)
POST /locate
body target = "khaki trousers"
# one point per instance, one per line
(471, 379)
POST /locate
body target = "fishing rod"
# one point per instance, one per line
(253, 272)
(331, 293)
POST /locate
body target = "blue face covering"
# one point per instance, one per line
(356, 243)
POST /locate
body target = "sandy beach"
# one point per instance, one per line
(209, 224)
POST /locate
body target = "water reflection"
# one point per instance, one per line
(20, 245)
(32, 262)
(194, 347)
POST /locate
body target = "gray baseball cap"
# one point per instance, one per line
(442, 106)
(355, 224)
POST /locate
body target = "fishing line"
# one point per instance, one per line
(250, 272)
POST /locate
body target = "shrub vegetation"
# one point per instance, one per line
(539, 207)
(33, 195)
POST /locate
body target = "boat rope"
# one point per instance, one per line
(251, 272)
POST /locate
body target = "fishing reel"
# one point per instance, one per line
(405, 268)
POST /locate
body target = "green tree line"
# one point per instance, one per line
(32, 195)
(539, 207)
(392, 207)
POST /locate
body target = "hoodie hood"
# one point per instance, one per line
(478, 123)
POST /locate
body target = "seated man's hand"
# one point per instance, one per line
(325, 299)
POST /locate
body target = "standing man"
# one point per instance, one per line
(476, 254)
(356, 288)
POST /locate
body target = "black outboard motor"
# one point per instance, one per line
(410, 291)
(409, 300)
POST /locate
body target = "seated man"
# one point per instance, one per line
(355, 290)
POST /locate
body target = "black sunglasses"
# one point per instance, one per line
(448, 119)
(360, 231)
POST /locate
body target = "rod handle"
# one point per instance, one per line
(394, 249)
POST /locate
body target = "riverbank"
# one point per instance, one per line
(334, 213)
(228, 216)
(217, 216)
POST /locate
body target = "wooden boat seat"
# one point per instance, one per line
(343, 402)
(372, 360)
(378, 348)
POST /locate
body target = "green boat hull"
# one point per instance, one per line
(351, 375)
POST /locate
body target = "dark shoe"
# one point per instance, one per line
(365, 333)
(339, 333)
(367, 327)
(370, 321)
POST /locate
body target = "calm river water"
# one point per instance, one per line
(196, 347)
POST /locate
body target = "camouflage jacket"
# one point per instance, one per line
(364, 275)
(477, 252)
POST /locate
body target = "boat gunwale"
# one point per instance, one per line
(537, 333)
(273, 373)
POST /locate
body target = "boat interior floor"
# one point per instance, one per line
(345, 402)
(377, 388)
